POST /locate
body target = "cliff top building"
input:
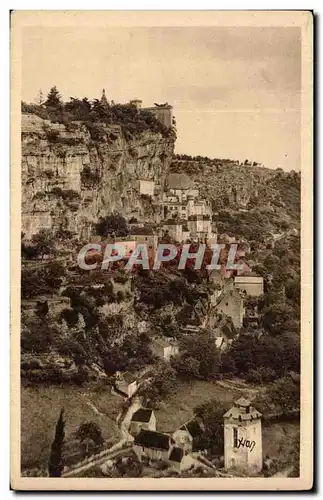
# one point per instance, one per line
(162, 112)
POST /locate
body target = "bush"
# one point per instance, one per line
(88, 177)
(112, 224)
(52, 135)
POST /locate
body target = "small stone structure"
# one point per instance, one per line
(243, 437)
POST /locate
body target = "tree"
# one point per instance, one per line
(161, 384)
(211, 415)
(90, 430)
(43, 242)
(200, 357)
(54, 99)
(55, 464)
(113, 224)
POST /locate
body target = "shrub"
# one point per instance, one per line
(52, 135)
(112, 224)
(88, 177)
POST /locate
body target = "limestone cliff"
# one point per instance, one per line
(72, 175)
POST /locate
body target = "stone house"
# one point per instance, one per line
(179, 461)
(174, 228)
(142, 419)
(163, 348)
(147, 187)
(194, 431)
(152, 444)
(231, 304)
(163, 113)
(251, 285)
(144, 234)
(178, 185)
(126, 384)
(184, 440)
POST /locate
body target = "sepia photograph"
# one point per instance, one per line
(161, 245)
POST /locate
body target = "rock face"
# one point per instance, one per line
(225, 182)
(72, 175)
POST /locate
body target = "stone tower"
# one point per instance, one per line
(137, 103)
(243, 437)
(104, 100)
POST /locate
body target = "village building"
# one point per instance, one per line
(182, 202)
(147, 187)
(158, 446)
(243, 437)
(184, 440)
(194, 430)
(142, 419)
(152, 444)
(125, 384)
(164, 349)
(231, 304)
(200, 226)
(251, 285)
(221, 343)
(163, 113)
(191, 329)
(144, 234)
(174, 229)
(181, 462)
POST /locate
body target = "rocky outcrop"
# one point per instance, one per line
(73, 174)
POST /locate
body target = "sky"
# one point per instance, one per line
(235, 90)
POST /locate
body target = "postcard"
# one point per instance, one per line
(162, 250)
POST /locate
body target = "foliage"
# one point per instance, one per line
(198, 357)
(282, 396)
(42, 281)
(38, 337)
(67, 195)
(55, 464)
(249, 353)
(88, 177)
(126, 116)
(43, 243)
(54, 99)
(90, 430)
(161, 383)
(211, 415)
(159, 288)
(132, 354)
(113, 224)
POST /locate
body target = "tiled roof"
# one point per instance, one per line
(176, 455)
(242, 402)
(127, 377)
(242, 411)
(178, 181)
(193, 427)
(152, 439)
(161, 342)
(142, 415)
(141, 230)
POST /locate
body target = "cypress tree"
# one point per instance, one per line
(55, 464)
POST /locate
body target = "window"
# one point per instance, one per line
(235, 437)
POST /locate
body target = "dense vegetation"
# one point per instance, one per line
(92, 112)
